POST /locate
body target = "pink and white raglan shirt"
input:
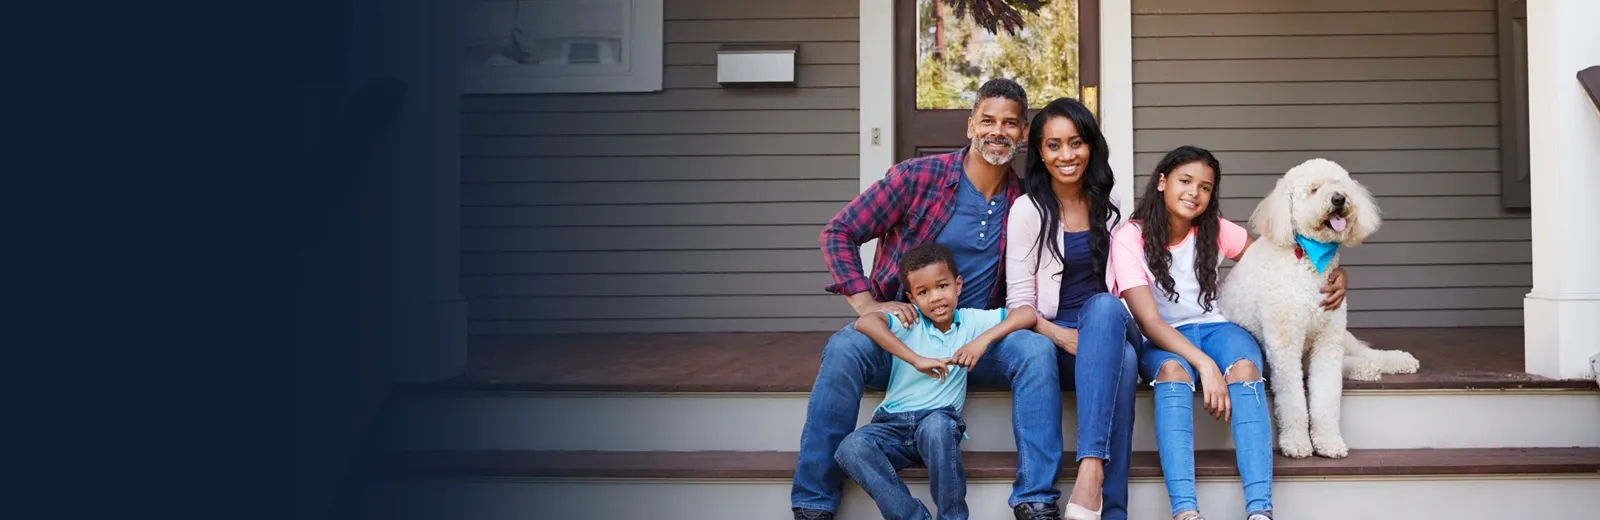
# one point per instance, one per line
(1128, 269)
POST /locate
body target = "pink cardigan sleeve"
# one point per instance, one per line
(1022, 230)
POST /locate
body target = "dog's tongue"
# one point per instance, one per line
(1337, 223)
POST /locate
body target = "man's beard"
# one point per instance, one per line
(1000, 159)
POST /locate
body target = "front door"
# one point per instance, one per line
(940, 60)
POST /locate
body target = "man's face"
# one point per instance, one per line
(995, 127)
(934, 290)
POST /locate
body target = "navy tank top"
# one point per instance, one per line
(1078, 282)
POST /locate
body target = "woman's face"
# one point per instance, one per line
(1065, 153)
(1187, 190)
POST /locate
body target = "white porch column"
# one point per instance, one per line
(1562, 314)
(1116, 96)
(419, 181)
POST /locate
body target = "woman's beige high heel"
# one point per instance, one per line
(1077, 512)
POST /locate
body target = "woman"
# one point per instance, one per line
(1061, 228)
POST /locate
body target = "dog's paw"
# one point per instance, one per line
(1330, 445)
(1361, 369)
(1295, 445)
(1397, 362)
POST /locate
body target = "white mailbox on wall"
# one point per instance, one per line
(753, 65)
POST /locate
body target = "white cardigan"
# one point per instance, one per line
(1023, 286)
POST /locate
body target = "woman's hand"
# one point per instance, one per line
(1066, 339)
(1335, 289)
(1216, 390)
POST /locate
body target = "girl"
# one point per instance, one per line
(1175, 241)
(1061, 228)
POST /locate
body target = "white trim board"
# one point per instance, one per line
(1116, 95)
(877, 100)
(877, 94)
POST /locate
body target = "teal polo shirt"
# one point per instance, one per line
(910, 390)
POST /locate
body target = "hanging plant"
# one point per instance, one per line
(993, 14)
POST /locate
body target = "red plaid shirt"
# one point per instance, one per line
(908, 207)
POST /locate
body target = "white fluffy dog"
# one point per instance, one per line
(1275, 293)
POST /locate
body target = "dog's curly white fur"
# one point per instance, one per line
(1277, 296)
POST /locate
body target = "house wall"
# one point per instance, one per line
(1403, 93)
(692, 209)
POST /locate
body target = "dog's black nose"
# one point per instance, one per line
(1338, 200)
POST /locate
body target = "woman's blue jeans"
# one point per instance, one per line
(1105, 376)
(1226, 344)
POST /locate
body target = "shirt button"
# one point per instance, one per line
(991, 212)
(980, 235)
(983, 222)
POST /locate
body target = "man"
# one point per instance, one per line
(960, 200)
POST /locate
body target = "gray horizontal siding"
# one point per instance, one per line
(692, 209)
(1315, 23)
(1295, 91)
(1297, 6)
(1403, 93)
(823, 98)
(774, 260)
(629, 169)
(687, 122)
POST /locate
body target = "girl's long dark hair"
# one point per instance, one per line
(1151, 212)
(1097, 182)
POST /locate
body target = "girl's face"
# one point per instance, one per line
(1065, 153)
(1187, 189)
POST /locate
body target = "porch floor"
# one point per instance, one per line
(1452, 358)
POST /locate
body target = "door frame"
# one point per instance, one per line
(878, 137)
(935, 125)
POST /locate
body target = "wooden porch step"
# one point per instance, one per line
(1451, 358)
(979, 465)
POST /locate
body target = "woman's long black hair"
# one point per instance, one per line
(1097, 182)
(1151, 212)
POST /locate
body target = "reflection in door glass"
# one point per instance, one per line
(956, 55)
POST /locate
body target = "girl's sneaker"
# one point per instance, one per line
(1260, 516)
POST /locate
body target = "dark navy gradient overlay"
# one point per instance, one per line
(232, 225)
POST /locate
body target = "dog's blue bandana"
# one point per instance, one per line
(1320, 253)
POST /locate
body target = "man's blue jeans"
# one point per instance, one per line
(1226, 344)
(873, 454)
(1024, 362)
(1105, 376)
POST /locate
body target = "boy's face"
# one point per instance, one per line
(934, 290)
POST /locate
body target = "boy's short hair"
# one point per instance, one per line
(924, 255)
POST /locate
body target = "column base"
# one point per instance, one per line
(1561, 334)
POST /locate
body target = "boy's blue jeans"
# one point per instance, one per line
(1226, 344)
(873, 454)
(1105, 376)
(1029, 365)
(1024, 361)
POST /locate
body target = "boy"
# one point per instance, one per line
(920, 418)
